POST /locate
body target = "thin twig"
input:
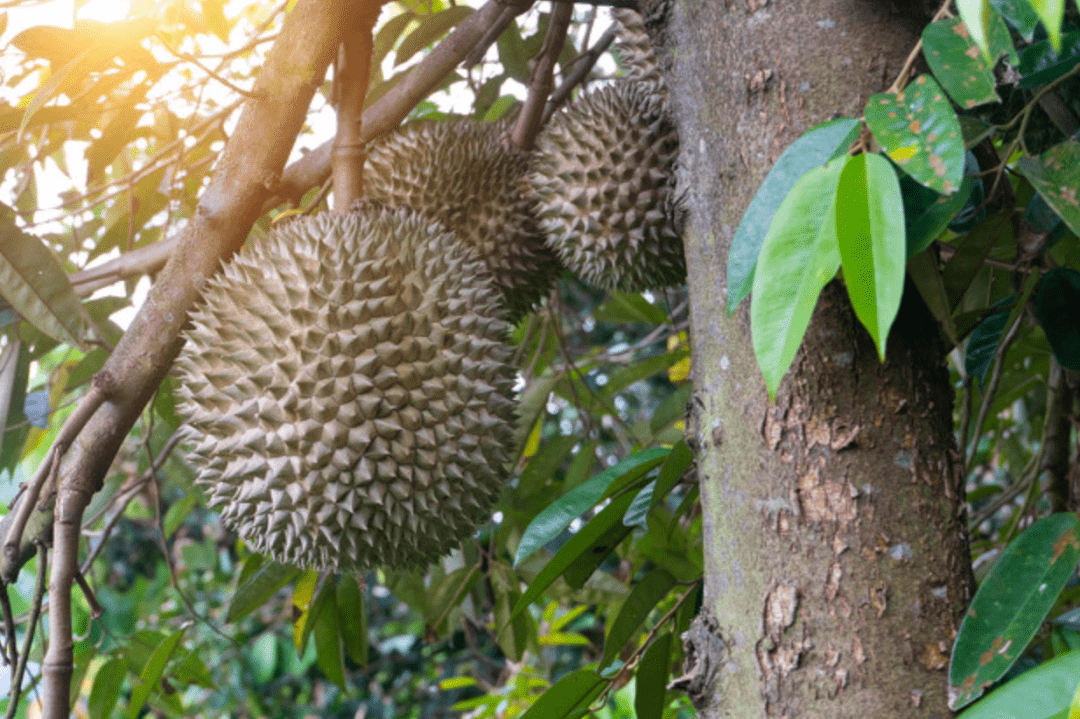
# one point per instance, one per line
(31, 630)
(82, 413)
(10, 651)
(581, 67)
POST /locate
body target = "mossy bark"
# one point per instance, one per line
(836, 552)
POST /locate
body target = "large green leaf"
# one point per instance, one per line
(652, 678)
(352, 618)
(920, 132)
(983, 343)
(1045, 692)
(926, 220)
(643, 598)
(1019, 14)
(255, 590)
(329, 647)
(105, 691)
(1058, 307)
(557, 516)
(1011, 604)
(976, 15)
(1051, 12)
(813, 149)
(799, 256)
(1041, 64)
(574, 691)
(578, 550)
(32, 282)
(957, 63)
(873, 246)
(1055, 174)
(151, 674)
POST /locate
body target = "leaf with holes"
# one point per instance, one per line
(1011, 604)
(799, 256)
(919, 131)
(1055, 175)
(816, 147)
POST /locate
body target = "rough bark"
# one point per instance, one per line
(836, 552)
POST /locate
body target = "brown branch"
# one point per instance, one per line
(528, 122)
(251, 163)
(582, 66)
(351, 84)
(509, 11)
(389, 110)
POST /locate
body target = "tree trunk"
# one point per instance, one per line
(836, 553)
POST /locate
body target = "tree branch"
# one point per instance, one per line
(253, 160)
(528, 122)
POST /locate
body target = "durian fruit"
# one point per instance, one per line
(634, 48)
(348, 387)
(460, 173)
(604, 186)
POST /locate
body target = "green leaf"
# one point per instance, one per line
(643, 598)
(310, 606)
(625, 308)
(675, 464)
(926, 276)
(52, 86)
(430, 29)
(920, 132)
(1011, 604)
(573, 691)
(983, 343)
(588, 542)
(925, 221)
(652, 678)
(33, 282)
(549, 456)
(1051, 12)
(151, 674)
(873, 248)
(638, 511)
(352, 618)
(258, 588)
(1045, 692)
(557, 516)
(671, 408)
(1019, 14)
(328, 642)
(1058, 307)
(507, 597)
(1040, 64)
(105, 691)
(264, 658)
(971, 253)
(814, 148)
(600, 548)
(958, 65)
(799, 256)
(1055, 174)
(976, 15)
(388, 35)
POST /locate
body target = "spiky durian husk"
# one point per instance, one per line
(347, 385)
(458, 172)
(604, 185)
(634, 49)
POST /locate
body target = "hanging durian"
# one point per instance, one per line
(347, 386)
(634, 49)
(604, 186)
(460, 173)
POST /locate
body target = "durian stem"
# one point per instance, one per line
(388, 111)
(528, 123)
(351, 84)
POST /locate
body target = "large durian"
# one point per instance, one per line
(604, 186)
(460, 173)
(634, 49)
(346, 382)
